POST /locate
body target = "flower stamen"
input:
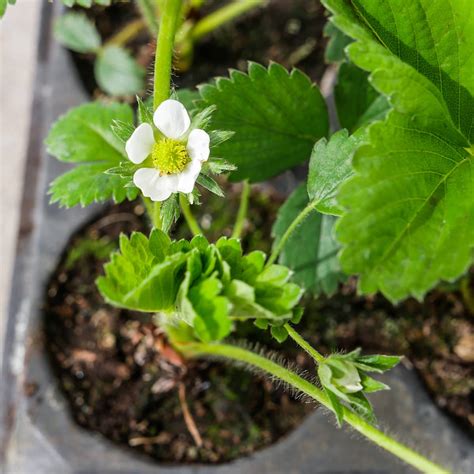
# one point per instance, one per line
(170, 156)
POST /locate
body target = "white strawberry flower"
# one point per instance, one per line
(173, 158)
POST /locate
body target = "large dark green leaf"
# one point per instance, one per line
(276, 116)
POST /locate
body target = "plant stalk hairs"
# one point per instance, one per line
(389, 198)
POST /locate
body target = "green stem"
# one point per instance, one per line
(223, 15)
(242, 213)
(189, 216)
(282, 242)
(378, 437)
(148, 11)
(154, 212)
(170, 10)
(303, 344)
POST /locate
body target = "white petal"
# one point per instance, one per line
(154, 186)
(187, 178)
(140, 144)
(172, 119)
(198, 145)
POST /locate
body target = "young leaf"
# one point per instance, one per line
(357, 102)
(411, 198)
(84, 136)
(311, 251)
(371, 385)
(377, 363)
(277, 116)
(118, 73)
(77, 32)
(329, 167)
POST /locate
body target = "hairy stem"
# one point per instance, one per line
(223, 15)
(170, 10)
(242, 213)
(303, 344)
(127, 33)
(189, 216)
(378, 437)
(282, 242)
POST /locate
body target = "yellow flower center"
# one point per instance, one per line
(170, 156)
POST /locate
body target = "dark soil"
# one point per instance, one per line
(123, 380)
(286, 31)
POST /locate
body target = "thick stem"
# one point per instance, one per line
(243, 208)
(303, 344)
(282, 242)
(148, 11)
(170, 10)
(223, 15)
(378, 437)
(189, 216)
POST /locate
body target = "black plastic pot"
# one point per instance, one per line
(38, 433)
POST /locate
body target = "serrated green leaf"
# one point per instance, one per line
(276, 116)
(139, 279)
(118, 73)
(90, 183)
(413, 193)
(75, 31)
(84, 136)
(311, 251)
(206, 286)
(329, 167)
(357, 102)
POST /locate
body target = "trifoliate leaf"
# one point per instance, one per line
(78, 33)
(276, 116)
(118, 73)
(311, 251)
(206, 286)
(84, 136)
(357, 102)
(329, 167)
(410, 205)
